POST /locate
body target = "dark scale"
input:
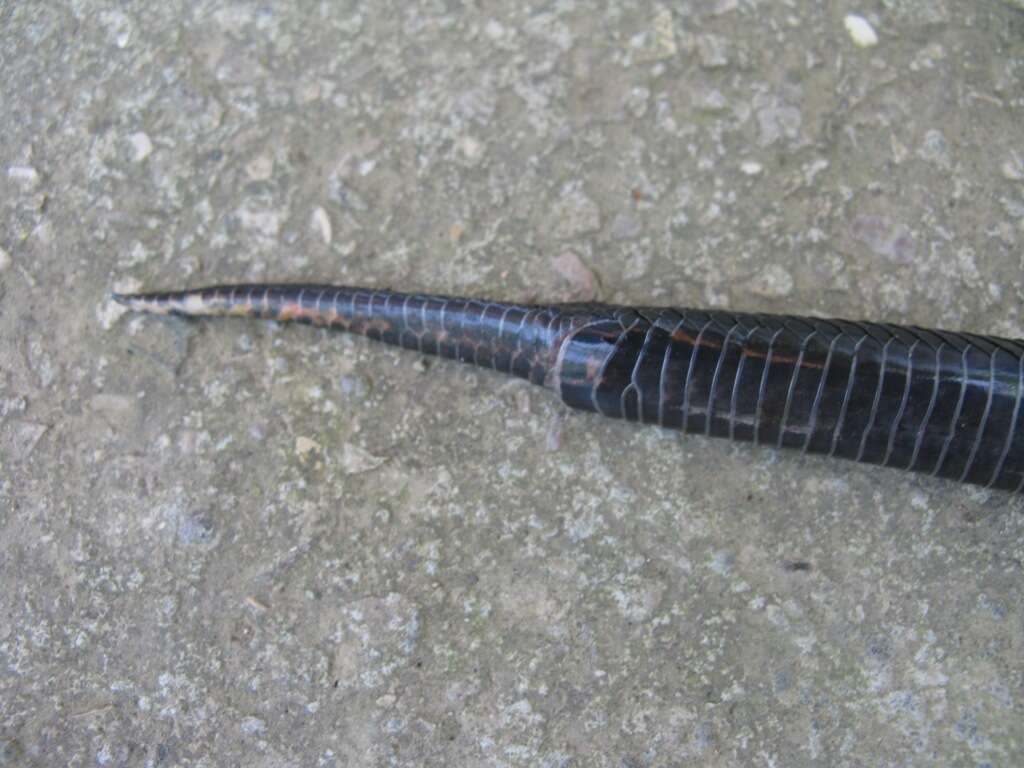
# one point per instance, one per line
(936, 402)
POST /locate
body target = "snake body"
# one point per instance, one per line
(937, 402)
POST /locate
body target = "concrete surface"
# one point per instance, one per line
(240, 544)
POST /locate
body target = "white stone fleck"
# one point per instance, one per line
(104, 756)
(355, 460)
(109, 311)
(260, 168)
(1013, 168)
(265, 223)
(321, 222)
(773, 282)
(751, 167)
(494, 30)
(860, 31)
(23, 174)
(813, 168)
(637, 599)
(118, 26)
(142, 147)
(722, 562)
(5, 260)
(252, 726)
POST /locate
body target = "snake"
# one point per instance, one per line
(941, 403)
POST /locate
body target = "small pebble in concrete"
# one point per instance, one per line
(25, 175)
(751, 167)
(141, 145)
(860, 31)
(321, 223)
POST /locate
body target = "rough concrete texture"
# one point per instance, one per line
(237, 543)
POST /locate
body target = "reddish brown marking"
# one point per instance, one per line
(682, 337)
(289, 311)
(295, 311)
(805, 363)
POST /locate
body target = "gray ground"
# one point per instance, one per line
(236, 543)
